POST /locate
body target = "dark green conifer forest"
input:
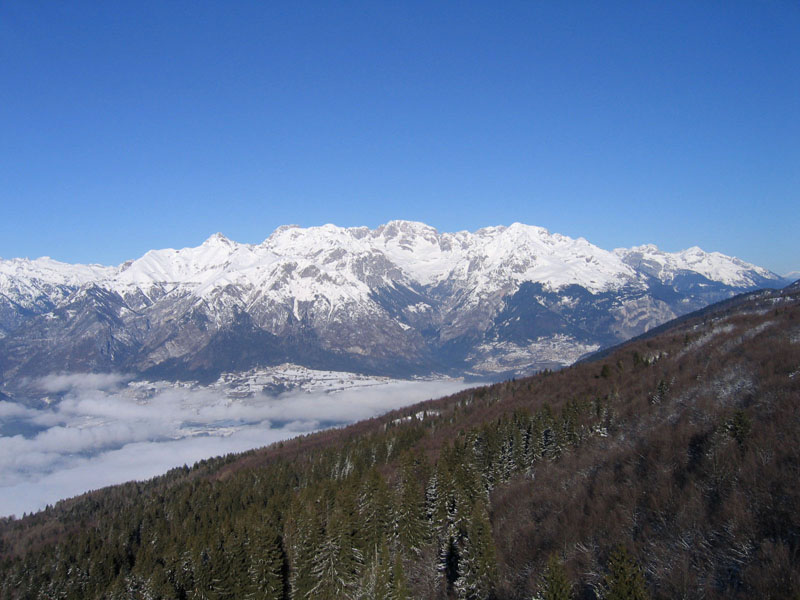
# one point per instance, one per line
(667, 468)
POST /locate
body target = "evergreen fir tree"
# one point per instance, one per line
(432, 497)
(304, 534)
(183, 575)
(203, 577)
(556, 586)
(408, 526)
(400, 589)
(624, 580)
(534, 448)
(373, 510)
(477, 567)
(237, 564)
(739, 427)
(266, 565)
(376, 583)
(337, 563)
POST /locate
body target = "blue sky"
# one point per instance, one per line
(138, 125)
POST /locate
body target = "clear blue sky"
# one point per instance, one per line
(126, 126)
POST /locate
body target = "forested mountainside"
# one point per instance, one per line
(400, 300)
(666, 469)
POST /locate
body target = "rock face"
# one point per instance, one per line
(402, 300)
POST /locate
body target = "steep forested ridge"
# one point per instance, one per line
(666, 469)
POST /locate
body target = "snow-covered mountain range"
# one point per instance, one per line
(402, 299)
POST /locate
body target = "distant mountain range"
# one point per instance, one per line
(401, 300)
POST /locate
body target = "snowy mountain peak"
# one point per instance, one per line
(217, 239)
(49, 271)
(528, 229)
(490, 260)
(715, 266)
(401, 227)
(43, 282)
(402, 297)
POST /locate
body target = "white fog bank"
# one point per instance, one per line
(98, 435)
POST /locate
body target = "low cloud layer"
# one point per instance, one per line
(97, 435)
(81, 381)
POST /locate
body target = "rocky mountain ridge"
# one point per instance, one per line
(402, 299)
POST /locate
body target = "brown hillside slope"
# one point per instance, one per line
(683, 449)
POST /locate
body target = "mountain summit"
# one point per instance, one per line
(401, 299)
